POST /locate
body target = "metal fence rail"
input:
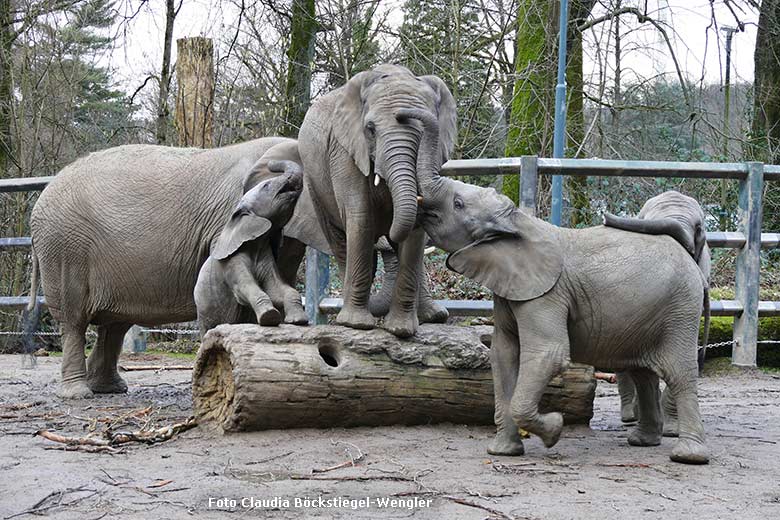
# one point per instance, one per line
(747, 238)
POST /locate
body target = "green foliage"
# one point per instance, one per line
(722, 329)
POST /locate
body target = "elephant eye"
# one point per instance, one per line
(371, 128)
(458, 203)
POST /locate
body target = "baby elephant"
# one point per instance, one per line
(243, 258)
(682, 218)
(599, 296)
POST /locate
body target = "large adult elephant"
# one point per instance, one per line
(120, 235)
(359, 147)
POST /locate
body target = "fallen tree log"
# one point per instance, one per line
(248, 377)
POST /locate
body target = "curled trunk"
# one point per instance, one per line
(428, 157)
(400, 156)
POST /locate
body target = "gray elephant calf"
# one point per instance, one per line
(244, 258)
(681, 217)
(599, 296)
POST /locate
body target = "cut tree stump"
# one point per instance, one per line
(248, 377)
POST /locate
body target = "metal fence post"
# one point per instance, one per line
(748, 266)
(135, 340)
(317, 284)
(529, 183)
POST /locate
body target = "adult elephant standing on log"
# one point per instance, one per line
(360, 169)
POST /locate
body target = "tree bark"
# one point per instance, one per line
(575, 116)
(766, 99)
(248, 377)
(6, 86)
(165, 75)
(531, 121)
(300, 56)
(195, 97)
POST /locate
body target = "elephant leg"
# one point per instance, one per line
(262, 305)
(428, 311)
(628, 401)
(379, 303)
(681, 378)
(102, 375)
(357, 271)
(504, 360)
(285, 297)
(402, 319)
(240, 277)
(648, 431)
(289, 260)
(669, 409)
(544, 353)
(74, 364)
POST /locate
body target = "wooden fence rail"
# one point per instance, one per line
(747, 238)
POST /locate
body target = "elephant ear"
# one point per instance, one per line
(517, 268)
(447, 112)
(242, 227)
(348, 119)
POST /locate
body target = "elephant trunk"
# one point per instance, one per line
(400, 152)
(428, 155)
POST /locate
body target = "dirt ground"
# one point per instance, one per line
(440, 471)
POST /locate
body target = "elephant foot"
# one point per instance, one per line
(503, 445)
(401, 325)
(628, 413)
(356, 318)
(689, 451)
(75, 390)
(671, 427)
(112, 385)
(296, 316)
(547, 426)
(432, 312)
(642, 437)
(269, 317)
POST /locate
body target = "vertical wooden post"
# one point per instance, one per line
(748, 266)
(195, 95)
(529, 183)
(317, 284)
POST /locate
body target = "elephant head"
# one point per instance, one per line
(372, 122)
(264, 208)
(491, 241)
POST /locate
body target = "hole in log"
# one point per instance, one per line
(329, 353)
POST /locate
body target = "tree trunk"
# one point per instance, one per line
(531, 121)
(165, 75)
(300, 55)
(766, 99)
(581, 213)
(766, 102)
(248, 377)
(531, 118)
(6, 87)
(195, 96)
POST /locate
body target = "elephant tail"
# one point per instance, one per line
(706, 333)
(31, 314)
(34, 281)
(660, 226)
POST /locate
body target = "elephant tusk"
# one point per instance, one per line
(376, 180)
(419, 199)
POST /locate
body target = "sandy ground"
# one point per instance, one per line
(440, 471)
